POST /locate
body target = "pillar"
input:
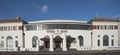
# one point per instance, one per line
(64, 44)
(51, 43)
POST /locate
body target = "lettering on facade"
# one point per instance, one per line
(57, 31)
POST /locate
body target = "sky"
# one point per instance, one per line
(34, 10)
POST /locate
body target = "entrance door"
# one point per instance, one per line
(47, 44)
(68, 44)
(58, 44)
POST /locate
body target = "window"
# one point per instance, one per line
(98, 35)
(98, 42)
(2, 37)
(16, 36)
(5, 28)
(112, 35)
(115, 27)
(2, 43)
(94, 27)
(0, 28)
(39, 27)
(9, 41)
(101, 26)
(34, 41)
(8, 27)
(20, 27)
(105, 40)
(112, 42)
(31, 27)
(98, 26)
(16, 43)
(105, 27)
(81, 41)
(66, 26)
(14, 27)
(112, 27)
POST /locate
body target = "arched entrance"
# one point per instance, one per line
(69, 40)
(57, 41)
(46, 40)
(46, 45)
(105, 40)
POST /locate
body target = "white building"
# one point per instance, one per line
(59, 35)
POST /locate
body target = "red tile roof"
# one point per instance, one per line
(12, 20)
(104, 19)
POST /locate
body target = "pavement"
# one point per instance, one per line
(103, 52)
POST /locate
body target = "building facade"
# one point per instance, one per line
(59, 35)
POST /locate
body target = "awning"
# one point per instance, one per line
(45, 39)
(58, 39)
(55, 39)
(70, 39)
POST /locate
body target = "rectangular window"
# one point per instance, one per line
(112, 42)
(115, 27)
(16, 43)
(20, 28)
(31, 27)
(14, 27)
(94, 27)
(105, 27)
(2, 44)
(97, 26)
(5, 28)
(8, 27)
(101, 27)
(0, 28)
(98, 42)
(39, 27)
(112, 27)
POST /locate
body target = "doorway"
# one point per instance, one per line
(57, 44)
(47, 44)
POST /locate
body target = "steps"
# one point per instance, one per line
(58, 49)
(45, 49)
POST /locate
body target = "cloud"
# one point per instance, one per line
(44, 9)
(116, 16)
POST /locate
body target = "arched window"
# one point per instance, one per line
(81, 41)
(9, 41)
(34, 41)
(105, 40)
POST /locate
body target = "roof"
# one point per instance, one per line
(17, 19)
(58, 21)
(104, 19)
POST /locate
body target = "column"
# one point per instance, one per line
(64, 44)
(51, 43)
